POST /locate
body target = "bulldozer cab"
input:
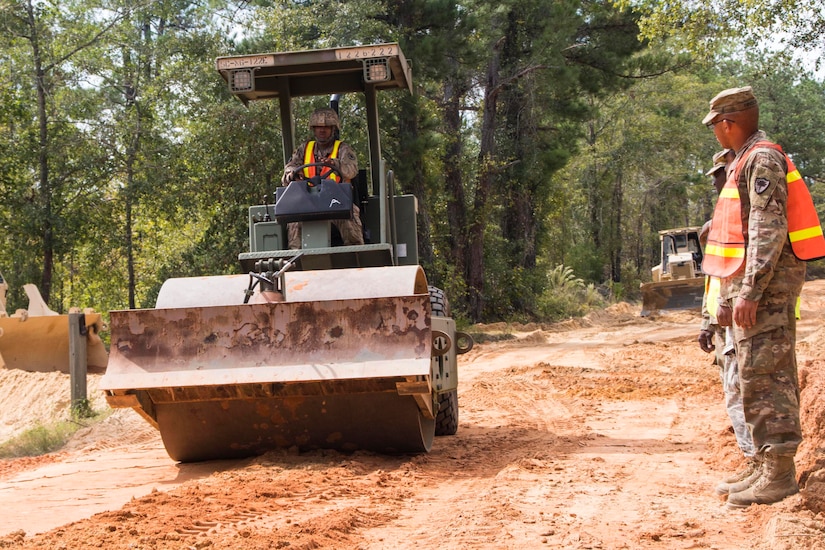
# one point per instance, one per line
(681, 253)
(388, 219)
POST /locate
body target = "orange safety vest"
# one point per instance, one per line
(309, 158)
(725, 249)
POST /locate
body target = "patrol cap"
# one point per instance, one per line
(731, 100)
(719, 162)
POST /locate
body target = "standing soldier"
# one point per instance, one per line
(763, 229)
(713, 337)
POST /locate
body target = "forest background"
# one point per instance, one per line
(547, 141)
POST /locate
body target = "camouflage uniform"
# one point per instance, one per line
(725, 347)
(773, 276)
(710, 324)
(725, 359)
(347, 164)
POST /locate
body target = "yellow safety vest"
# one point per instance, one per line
(309, 158)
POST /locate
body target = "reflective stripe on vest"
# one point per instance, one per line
(309, 158)
(725, 250)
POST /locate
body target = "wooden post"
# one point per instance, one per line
(77, 360)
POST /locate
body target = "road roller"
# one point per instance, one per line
(324, 346)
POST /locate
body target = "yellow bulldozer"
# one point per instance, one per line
(678, 281)
(343, 347)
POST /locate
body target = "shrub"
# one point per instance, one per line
(43, 439)
(567, 295)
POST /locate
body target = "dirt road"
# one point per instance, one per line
(601, 433)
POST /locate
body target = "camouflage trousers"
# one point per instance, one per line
(351, 230)
(766, 357)
(729, 373)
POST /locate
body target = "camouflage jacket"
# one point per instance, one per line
(771, 272)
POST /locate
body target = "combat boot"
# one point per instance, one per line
(778, 480)
(742, 479)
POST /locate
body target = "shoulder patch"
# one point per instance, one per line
(767, 174)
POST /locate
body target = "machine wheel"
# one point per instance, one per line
(438, 302)
(446, 420)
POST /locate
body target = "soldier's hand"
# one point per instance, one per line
(724, 315)
(706, 340)
(293, 175)
(744, 312)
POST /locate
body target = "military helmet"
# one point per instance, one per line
(324, 117)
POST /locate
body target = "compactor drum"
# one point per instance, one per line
(342, 347)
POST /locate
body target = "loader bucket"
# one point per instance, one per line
(41, 343)
(337, 365)
(680, 294)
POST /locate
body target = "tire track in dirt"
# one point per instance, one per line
(512, 433)
(606, 467)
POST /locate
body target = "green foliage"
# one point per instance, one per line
(567, 296)
(82, 409)
(618, 291)
(38, 440)
(586, 260)
(705, 28)
(568, 139)
(637, 174)
(47, 438)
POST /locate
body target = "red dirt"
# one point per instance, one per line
(607, 432)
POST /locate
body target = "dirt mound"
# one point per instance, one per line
(121, 427)
(622, 310)
(810, 462)
(811, 353)
(29, 399)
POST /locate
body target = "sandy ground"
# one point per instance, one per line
(607, 432)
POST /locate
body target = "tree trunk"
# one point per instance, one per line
(129, 234)
(45, 195)
(130, 92)
(518, 224)
(454, 181)
(481, 207)
(616, 230)
(413, 168)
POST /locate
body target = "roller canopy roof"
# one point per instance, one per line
(316, 72)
